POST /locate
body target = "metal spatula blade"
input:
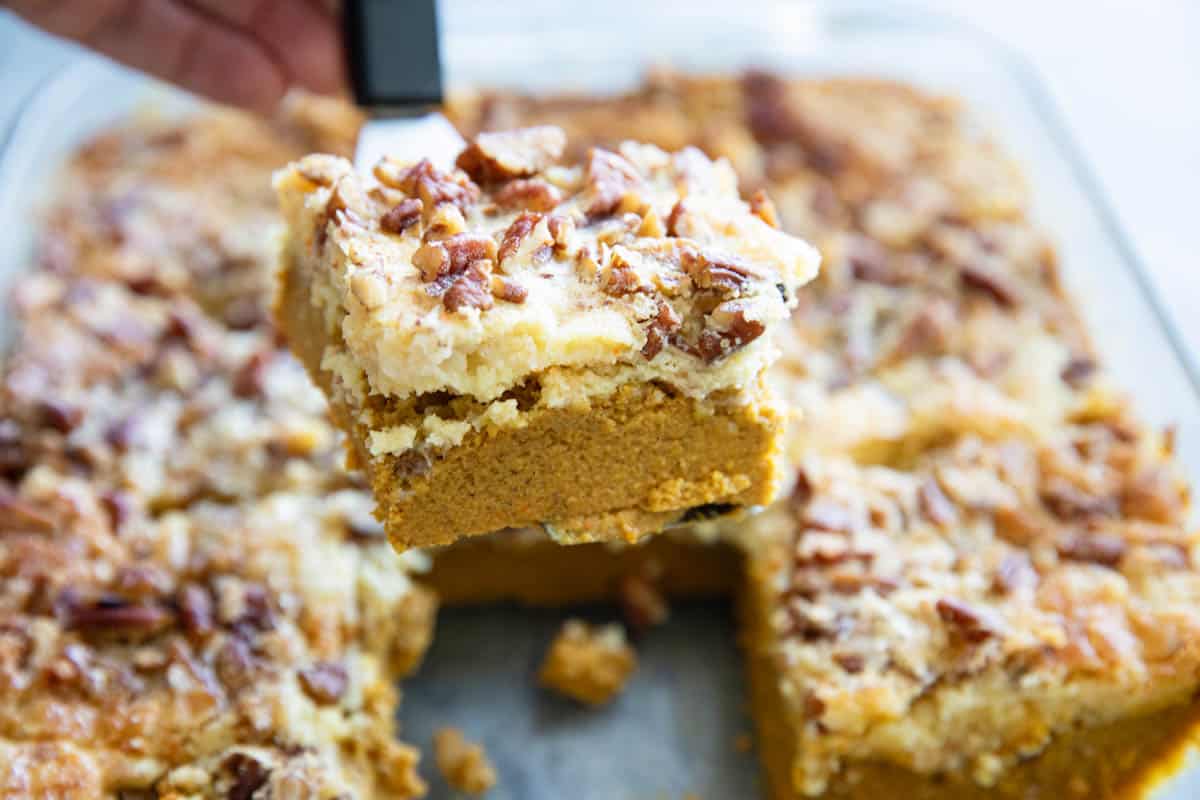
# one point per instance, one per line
(393, 56)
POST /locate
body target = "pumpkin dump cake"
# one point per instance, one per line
(492, 350)
(980, 582)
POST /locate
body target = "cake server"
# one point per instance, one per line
(393, 55)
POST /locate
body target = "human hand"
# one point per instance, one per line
(242, 52)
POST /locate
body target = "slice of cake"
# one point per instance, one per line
(1003, 619)
(517, 341)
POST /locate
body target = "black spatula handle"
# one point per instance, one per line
(393, 54)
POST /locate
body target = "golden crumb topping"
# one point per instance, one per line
(471, 281)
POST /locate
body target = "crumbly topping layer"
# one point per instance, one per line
(642, 264)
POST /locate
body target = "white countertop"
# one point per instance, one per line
(1126, 75)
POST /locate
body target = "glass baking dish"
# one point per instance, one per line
(659, 741)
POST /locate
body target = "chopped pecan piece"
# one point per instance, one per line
(429, 184)
(247, 775)
(991, 281)
(61, 416)
(401, 216)
(609, 178)
(508, 291)
(118, 504)
(142, 580)
(675, 218)
(851, 662)
(325, 682)
(111, 615)
(968, 622)
(1095, 547)
(250, 379)
(235, 663)
(1068, 502)
(17, 514)
(532, 194)
(494, 157)
(521, 227)
(659, 331)
(452, 256)
(196, 610)
(1078, 371)
(724, 273)
(472, 289)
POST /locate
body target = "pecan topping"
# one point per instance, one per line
(325, 682)
(935, 505)
(495, 157)
(762, 207)
(247, 776)
(621, 278)
(472, 289)
(250, 379)
(968, 622)
(508, 291)
(675, 218)
(521, 227)
(1078, 371)
(401, 216)
(62, 417)
(660, 329)
(452, 257)
(714, 345)
(142, 581)
(724, 273)
(533, 194)
(113, 615)
(429, 184)
(1069, 502)
(119, 506)
(17, 514)
(994, 283)
(235, 663)
(851, 662)
(196, 610)
(1095, 547)
(609, 178)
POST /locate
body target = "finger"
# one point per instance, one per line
(170, 41)
(301, 36)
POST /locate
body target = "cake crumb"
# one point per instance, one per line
(590, 664)
(463, 764)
